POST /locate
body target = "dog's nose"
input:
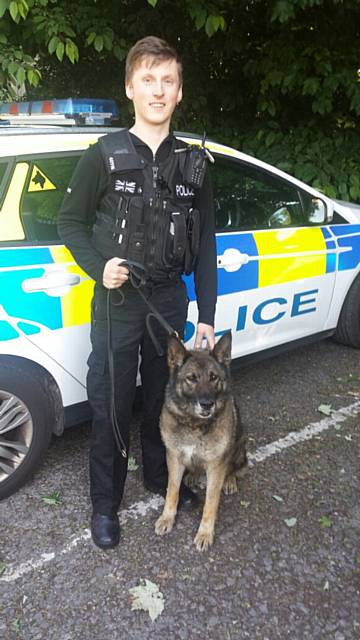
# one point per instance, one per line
(206, 403)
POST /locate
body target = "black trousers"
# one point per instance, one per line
(130, 338)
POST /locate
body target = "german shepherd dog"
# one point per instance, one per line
(201, 429)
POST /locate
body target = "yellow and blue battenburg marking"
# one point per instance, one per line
(29, 313)
(273, 257)
(285, 255)
(348, 238)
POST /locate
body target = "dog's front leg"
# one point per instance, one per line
(215, 478)
(176, 469)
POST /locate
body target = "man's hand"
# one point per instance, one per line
(205, 332)
(114, 274)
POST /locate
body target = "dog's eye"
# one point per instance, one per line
(212, 376)
(191, 377)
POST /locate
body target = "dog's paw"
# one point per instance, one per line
(203, 540)
(164, 524)
(230, 485)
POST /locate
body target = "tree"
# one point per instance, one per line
(278, 78)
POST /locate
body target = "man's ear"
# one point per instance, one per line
(176, 353)
(222, 349)
(180, 95)
(129, 90)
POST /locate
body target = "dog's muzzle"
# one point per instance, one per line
(205, 408)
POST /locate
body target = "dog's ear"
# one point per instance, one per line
(176, 353)
(222, 349)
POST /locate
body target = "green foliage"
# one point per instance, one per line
(327, 160)
(277, 78)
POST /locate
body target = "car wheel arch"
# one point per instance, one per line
(347, 331)
(30, 412)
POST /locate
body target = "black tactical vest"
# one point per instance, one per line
(146, 214)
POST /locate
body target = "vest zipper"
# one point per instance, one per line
(155, 171)
(155, 204)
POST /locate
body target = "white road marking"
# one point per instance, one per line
(136, 510)
(140, 509)
(313, 429)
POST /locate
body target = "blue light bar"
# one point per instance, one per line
(75, 106)
(81, 110)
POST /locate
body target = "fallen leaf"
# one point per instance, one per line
(2, 567)
(147, 597)
(348, 438)
(325, 522)
(132, 464)
(278, 498)
(16, 625)
(54, 499)
(245, 503)
(326, 409)
(326, 585)
(290, 522)
(357, 559)
(353, 377)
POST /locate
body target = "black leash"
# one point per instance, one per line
(115, 425)
(137, 279)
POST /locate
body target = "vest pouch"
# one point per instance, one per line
(175, 238)
(136, 230)
(105, 241)
(192, 240)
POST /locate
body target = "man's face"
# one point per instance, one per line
(155, 91)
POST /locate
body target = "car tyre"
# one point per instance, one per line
(348, 329)
(26, 419)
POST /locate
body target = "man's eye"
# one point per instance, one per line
(213, 376)
(191, 377)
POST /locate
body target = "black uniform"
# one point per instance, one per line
(90, 214)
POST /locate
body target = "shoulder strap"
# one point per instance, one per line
(119, 153)
(173, 162)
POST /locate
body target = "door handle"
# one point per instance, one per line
(232, 260)
(50, 281)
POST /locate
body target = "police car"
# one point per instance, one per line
(288, 267)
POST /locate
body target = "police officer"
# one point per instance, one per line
(131, 199)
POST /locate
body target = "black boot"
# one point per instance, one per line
(105, 530)
(187, 498)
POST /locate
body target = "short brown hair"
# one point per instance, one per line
(156, 50)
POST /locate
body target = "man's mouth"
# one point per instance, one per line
(157, 105)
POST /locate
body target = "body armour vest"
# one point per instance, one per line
(146, 215)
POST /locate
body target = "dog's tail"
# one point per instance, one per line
(240, 457)
(240, 460)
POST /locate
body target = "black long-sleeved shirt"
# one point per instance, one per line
(78, 213)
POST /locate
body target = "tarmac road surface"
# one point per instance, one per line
(286, 557)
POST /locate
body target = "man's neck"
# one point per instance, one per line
(152, 136)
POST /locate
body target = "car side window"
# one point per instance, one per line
(248, 197)
(3, 168)
(47, 182)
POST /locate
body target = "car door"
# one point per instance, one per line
(45, 296)
(276, 257)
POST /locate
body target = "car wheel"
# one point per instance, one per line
(348, 329)
(26, 419)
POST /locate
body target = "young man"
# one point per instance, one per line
(128, 200)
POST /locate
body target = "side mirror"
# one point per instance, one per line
(317, 211)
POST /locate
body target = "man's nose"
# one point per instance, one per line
(158, 88)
